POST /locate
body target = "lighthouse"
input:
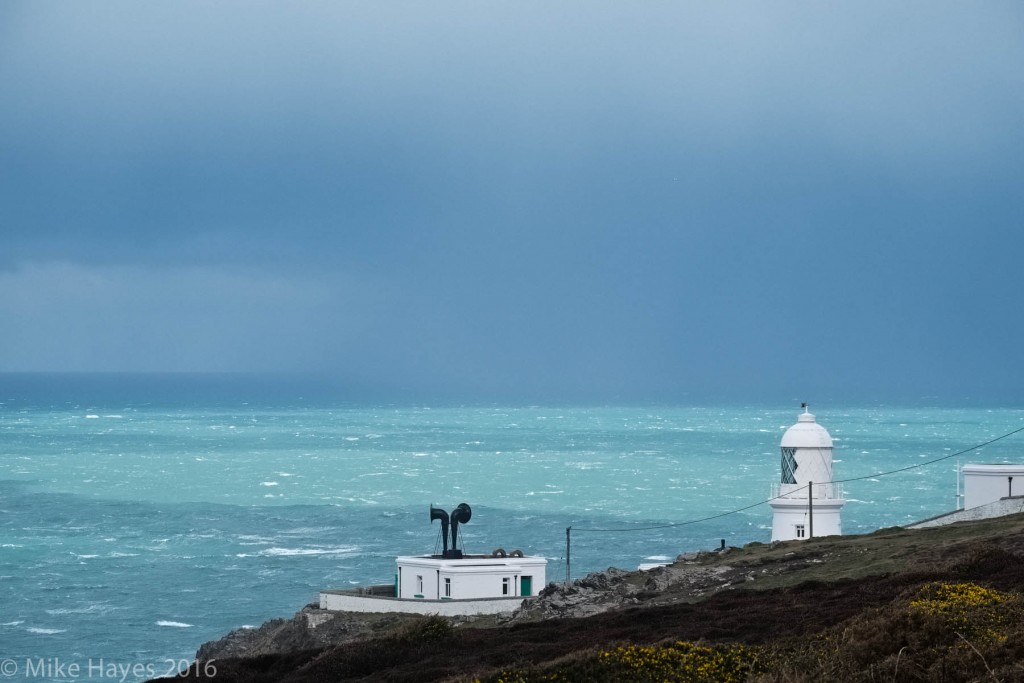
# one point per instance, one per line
(805, 502)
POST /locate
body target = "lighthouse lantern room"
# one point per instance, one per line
(806, 502)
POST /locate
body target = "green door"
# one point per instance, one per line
(526, 585)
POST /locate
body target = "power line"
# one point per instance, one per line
(689, 521)
(767, 500)
(931, 462)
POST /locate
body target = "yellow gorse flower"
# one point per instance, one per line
(967, 608)
(685, 662)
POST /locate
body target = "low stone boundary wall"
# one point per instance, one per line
(350, 601)
(999, 508)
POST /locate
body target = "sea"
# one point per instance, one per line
(142, 516)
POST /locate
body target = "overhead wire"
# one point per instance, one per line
(932, 462)
(767, 500)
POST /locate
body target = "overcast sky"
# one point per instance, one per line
(596, 200)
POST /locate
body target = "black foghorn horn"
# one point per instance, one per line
(438, 513)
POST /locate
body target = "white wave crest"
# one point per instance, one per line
(45, 631)
(96, 608)
(253, 539)
(289, 552)
(173, 624)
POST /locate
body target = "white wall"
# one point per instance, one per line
(469, 585)
(988, 483)
(471, 577)
(339, 601)
(787, 514)
(999, 508)
(408, 585)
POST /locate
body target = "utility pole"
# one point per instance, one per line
(810, 508)
(568, 556)
(958, 503)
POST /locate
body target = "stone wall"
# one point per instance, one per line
(345, 601)
(999, 508)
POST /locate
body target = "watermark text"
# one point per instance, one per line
(103, 669)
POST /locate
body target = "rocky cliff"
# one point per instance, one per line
(747, 595)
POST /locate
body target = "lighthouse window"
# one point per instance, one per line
(447, 588)
(800, 533)
(419, 583)
(506, 583)
(789, 465)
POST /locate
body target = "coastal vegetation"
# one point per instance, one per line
(940, 605)
(941, 631)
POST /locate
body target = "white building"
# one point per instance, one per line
(985, 484)
(451, 583)
(990, 491)
(806, 502)
(471, 577)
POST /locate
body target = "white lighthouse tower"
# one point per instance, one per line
(806, 503)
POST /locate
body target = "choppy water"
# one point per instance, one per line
(134, 529)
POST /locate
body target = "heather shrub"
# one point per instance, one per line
(428, 629)
(939, 632)
(679, 662)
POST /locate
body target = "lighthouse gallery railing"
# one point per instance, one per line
(829, 490)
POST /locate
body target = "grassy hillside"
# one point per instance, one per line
(939, 604)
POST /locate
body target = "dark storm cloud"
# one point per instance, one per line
(583, 200)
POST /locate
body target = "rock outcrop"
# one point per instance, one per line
(690, 578)
(310, 629)
(613, 589)
(736, 595)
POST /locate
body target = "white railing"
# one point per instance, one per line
(827, 491)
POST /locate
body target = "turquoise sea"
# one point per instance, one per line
(142, 517)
